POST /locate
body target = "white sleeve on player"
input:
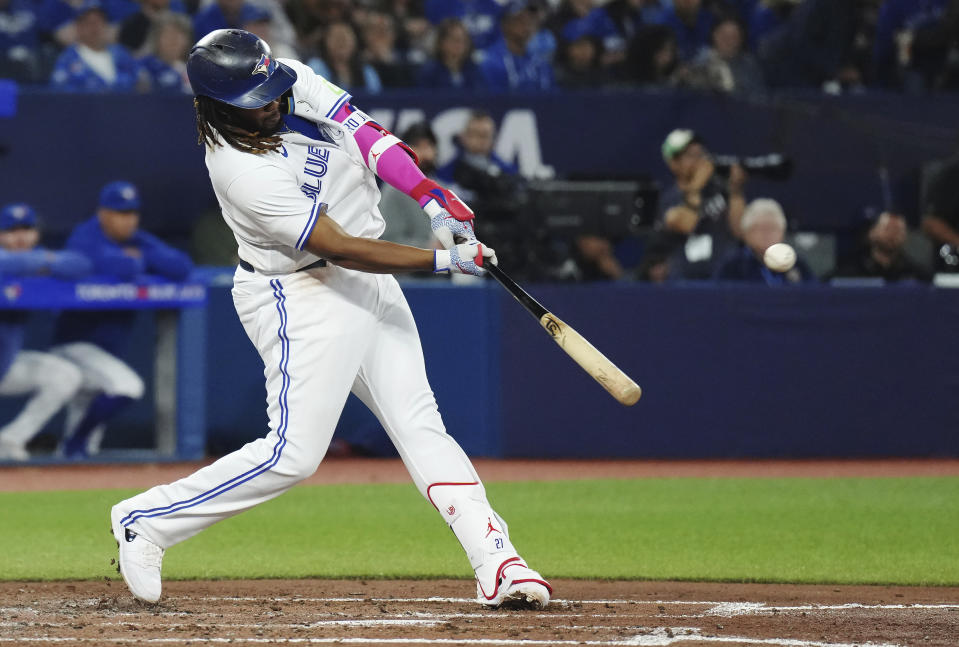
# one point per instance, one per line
(313, 96)
(269, 200)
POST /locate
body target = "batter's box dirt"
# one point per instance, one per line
(441, 612)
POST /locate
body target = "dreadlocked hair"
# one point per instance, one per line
(215, 120)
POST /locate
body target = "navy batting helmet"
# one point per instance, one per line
(236, 67)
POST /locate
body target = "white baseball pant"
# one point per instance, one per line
(52, 380)
(102, 372)
(322, 333)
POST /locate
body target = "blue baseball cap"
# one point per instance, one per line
(120, 196)
(16, 215)
(90, 5)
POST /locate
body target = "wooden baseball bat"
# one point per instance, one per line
(619, 385)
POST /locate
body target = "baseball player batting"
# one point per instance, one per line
(294, 165)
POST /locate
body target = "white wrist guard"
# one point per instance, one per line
(441, 260)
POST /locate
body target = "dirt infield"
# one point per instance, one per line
(441, 612)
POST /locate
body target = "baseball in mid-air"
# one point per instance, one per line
(780, 257)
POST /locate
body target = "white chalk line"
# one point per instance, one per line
(722, 606)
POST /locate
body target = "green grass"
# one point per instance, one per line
(902, 531)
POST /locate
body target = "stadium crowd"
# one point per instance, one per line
(741, 46)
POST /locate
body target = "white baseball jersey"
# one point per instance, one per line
(322, 333)
(271, 201)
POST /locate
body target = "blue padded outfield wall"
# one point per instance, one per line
(726, 372)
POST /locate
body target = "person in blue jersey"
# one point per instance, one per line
(223, 14)
(341, 62)
(50, 381)
(134, 32)
(511, 64)
(94, 63)
(18, 40)
(480, 17)
(95, 339)
(692, 23)
(453, 65)
(171, 37)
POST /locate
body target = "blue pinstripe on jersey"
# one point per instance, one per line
(305, 235)
(339, 103)
(281, 429)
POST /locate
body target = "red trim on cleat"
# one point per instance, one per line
(512, 561)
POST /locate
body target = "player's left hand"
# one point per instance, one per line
(450, 219)
(465, 258)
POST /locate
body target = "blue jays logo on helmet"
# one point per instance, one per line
(263, 66)
(237, 68)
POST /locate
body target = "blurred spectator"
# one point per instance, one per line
(135, 30)
(481, 17)
(475, 162)
(905, 49)
(93, 340)
(57, 18)
(654, 266)
(379, 45)
(577, 18)
(509, 64)
(578, 65)
(940, 215)
(702, 211)
(453, 65)
(339, 60)
(490, 185)
(691, 23)
(262, 23)
(18, 41)
(626, 16)
(725, 66)
(94, 63)
(883, 253)
(171, 37)
(413, 30)
(282, 34)
(543, 44)
(595, 259)
(49, 380)
(653, 57)
(814, 47)
(767, 17)
(763, 224)
(224, 14)
(311, 17)
(405, 223)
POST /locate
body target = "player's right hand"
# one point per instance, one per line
(465, 258)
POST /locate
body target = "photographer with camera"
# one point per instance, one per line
(701, 211)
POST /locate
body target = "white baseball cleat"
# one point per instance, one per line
(140, 561)
(515, 586)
